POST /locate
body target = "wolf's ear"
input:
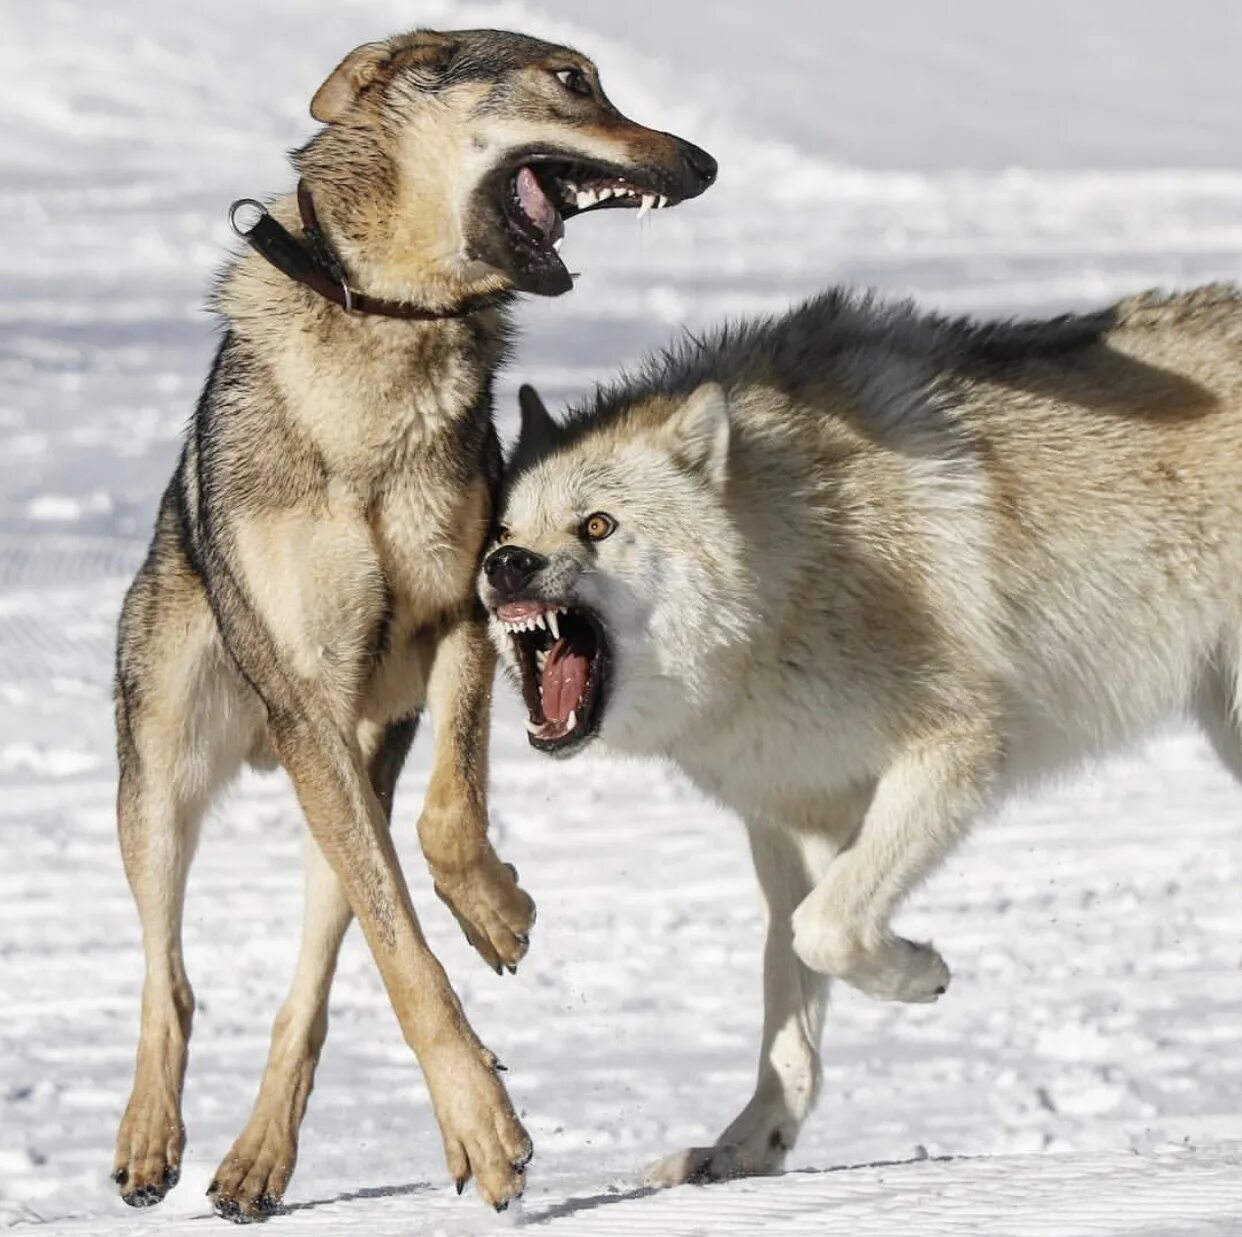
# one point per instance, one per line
(698, 433)
(376, 64)
(539, 432)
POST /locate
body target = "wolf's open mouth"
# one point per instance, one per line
(542, 195)
(562, 655)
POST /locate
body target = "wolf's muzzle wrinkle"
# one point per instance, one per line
(511, 568)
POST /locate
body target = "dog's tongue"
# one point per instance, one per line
(564, 680)
(535, 203)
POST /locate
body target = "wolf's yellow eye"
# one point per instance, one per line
(598, 526)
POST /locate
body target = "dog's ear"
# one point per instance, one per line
(539, 432)
(697, 434)
(374, 65)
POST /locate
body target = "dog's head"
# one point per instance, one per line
(618, 579)
(453, 159)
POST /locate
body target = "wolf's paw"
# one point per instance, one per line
(494, 912)
(723, 1162)
(252, 1178)
(890, 969)
(148, 1151)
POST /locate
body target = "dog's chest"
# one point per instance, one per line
(428, 534)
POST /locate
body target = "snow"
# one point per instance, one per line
(1083, 1074)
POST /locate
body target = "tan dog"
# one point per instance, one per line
(309, 586)
(862, 572)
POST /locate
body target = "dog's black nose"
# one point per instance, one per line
(704, 165)
(510, 568)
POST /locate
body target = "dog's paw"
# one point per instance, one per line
(483, 1138)
(148, 1151)
(888, 969)
(493, 910)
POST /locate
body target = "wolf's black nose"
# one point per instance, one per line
(510, 568)
(704, 165)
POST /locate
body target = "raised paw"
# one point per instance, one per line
(889, 968)
(148, 1151)
(483, 1138)
(494, 912)
(251, 1181)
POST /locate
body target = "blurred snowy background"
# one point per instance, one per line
(982, 157)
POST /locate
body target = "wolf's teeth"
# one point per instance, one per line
(586, 198)
(648, 203)
(556, 244)
(571, 721)
(554, 625)
(533, 727)
(541, 659)
(538, 621)
(661, 202)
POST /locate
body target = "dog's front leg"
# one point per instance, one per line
(482, 1136)
(481, 891)
(923, 804)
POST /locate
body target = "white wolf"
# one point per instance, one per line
(861, 572)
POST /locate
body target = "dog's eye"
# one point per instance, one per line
(598, 526)
(573, 80)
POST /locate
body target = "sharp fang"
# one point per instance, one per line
(661, 202)
(538, 621)
(541, 659)
(648, 203)
(571, 721)
(556, 244)
(554, 625)
(533, 727)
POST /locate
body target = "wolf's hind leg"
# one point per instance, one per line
(759, 1137)
(252, 1178)
(173, 739)
(1219, 708)
(922, 806)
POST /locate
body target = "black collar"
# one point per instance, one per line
(314, 263)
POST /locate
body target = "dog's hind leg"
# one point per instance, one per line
(176, 717)
(758, 1139)
(923, 805)
(252, 1178)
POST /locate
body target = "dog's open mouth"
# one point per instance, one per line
(541, 190)
(562, 656)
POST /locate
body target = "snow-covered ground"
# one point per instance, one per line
(1083, 1075)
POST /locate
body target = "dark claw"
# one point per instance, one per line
(213, 1187)
(172, 1174)
(121, 1176)
(460, 1183)
(500, 970)
(513, 872)
(499, 1067)
(228, 1208)
(511, 969)
(520, 1164)
(522, 938)
(503, 1206)
(941, 990)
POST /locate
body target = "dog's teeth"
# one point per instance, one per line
(605, 194)
(554, 625)
(648, 203)
(661, 202)
(541, 659)
(556, 244)
(586, 198)
(571, 721)
(533, 727)
(539, 621)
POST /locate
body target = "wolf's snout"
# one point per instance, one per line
(510, 569)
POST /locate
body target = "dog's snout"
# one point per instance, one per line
(510, 568)
(703, 165)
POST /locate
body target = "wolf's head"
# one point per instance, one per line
(618, 582)
(451, 160)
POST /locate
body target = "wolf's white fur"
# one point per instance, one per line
(872, 572)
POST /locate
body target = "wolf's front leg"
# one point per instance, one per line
(922, 805)
(481, 891)
(758, 1139)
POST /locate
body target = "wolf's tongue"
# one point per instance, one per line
(564, 681)
(538, 209)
